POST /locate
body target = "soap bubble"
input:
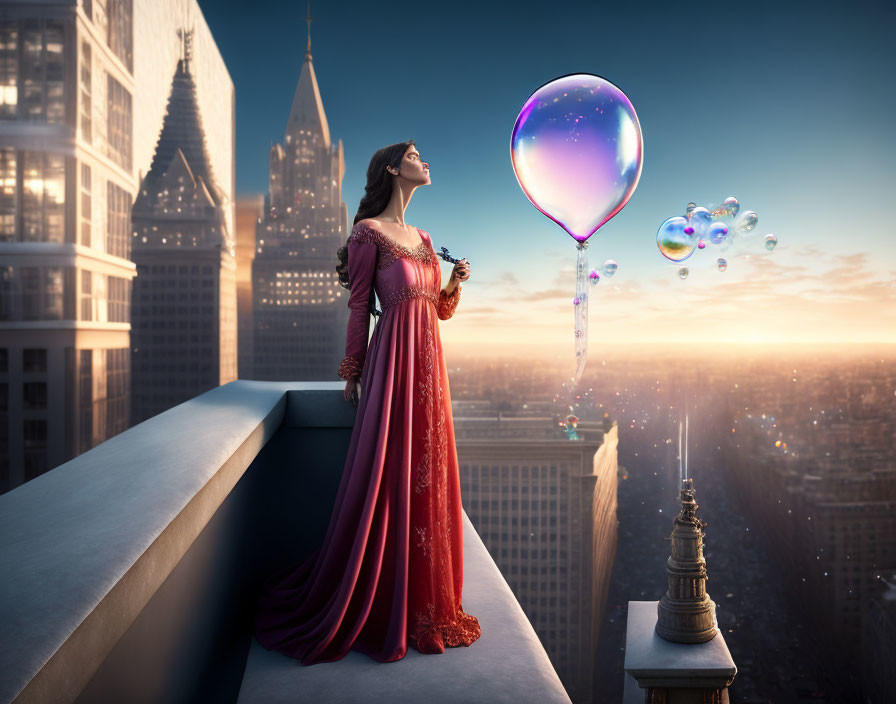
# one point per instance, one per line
(716, 232)
(683, 273)
(701, 244)
(722, 264)
(747, 221)
(593, 277)
(731, 206)
(689, 209)
(577, 151)
(673, 243)
(700, 219)
(771, 242)
(609, 268)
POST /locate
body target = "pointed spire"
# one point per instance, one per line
(307, 110)
(182, 127)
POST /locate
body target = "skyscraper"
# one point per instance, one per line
(81, 101)
(184, 298)
(545, 507)
(300, 311)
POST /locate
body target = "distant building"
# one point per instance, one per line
(545, 507)
(879, 642)
(300, 311)
(82, 94)
(835, 530)
(248, 213)
(183, 336)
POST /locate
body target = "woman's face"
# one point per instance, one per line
(413, 168)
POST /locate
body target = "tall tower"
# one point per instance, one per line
(183, 338)
(299, 308)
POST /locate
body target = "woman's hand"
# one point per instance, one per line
(460, 272)
(352, 392)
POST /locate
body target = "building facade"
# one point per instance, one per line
(545, 507)
(300, 311)
(248, 213)
(183, 337)
(81, 101)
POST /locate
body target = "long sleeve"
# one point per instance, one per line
(361, 272)
(448, 302)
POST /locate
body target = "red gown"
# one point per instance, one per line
(390, 570)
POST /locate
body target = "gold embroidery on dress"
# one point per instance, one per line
(462, 629)
(393, 297)
(447, 303)
(425, 383)
(423, 543)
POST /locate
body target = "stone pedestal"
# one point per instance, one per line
(662, 672)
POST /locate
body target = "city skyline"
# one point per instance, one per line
(770, 119)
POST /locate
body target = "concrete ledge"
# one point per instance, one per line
(99, 586)
(85, 546)
(507, 664)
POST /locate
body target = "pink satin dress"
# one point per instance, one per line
(390, 570)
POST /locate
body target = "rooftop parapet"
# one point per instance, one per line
(129, 572)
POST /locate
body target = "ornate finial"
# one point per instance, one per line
(308, 20)
(186, 43)
(686, 614)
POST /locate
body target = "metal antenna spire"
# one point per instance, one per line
(186, 43)
(308, 20)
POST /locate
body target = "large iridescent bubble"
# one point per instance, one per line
(673, 242)
(577, 151)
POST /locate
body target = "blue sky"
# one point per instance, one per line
(788, 108)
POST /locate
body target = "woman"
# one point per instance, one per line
(390, 570)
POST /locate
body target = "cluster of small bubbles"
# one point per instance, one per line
(576, 301)
(725, 226)
(593, 277)
(608, 268)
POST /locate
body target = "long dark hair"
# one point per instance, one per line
(377, 193)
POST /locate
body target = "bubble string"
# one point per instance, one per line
(580, 309)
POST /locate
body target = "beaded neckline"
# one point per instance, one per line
(391, 251)
(392, 242)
